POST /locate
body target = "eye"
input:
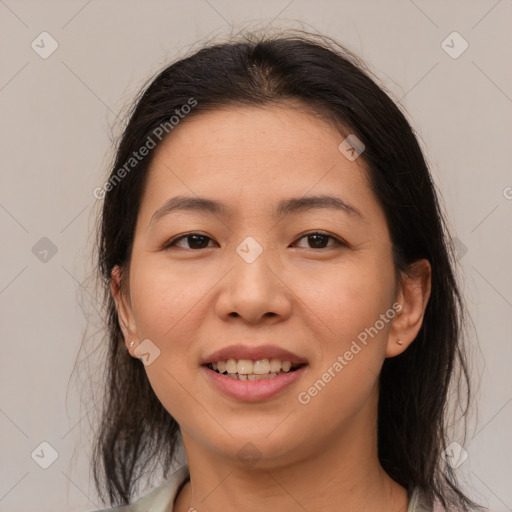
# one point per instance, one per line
(196, 241)
(319, 239)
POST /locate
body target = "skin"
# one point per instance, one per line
(312, 301)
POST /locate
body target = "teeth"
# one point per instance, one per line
(231, 366)
(246, 369)
(252, 376)
(275, 365)
(286, 365)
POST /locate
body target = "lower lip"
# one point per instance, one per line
(253, 390)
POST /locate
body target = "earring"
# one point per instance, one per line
(131, 344)
(399, 341)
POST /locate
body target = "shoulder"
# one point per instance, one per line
(160, 499)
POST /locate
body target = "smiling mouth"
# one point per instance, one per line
(245, 369)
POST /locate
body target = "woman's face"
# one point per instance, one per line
(254, 278)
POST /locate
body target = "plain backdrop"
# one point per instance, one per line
(69, 69)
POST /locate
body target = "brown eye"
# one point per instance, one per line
(316, 240)
(195, 241)
(319, 240)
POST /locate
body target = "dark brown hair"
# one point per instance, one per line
(136, 433)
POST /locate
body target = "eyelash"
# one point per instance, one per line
(171, 243)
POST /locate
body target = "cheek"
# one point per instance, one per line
(350, 297)
(164, 297)
(165, 304)
(352, 338)
(350, 350)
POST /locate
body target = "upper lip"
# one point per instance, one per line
(253, 353)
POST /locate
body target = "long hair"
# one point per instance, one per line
(135, 430)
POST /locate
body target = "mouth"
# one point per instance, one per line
(246, 380)
(252, 373)
(247, 369)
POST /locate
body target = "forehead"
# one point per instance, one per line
(285, 131)
(251, 156)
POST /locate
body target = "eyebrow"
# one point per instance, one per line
(285, 207)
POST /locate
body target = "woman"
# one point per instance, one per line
(279, 289)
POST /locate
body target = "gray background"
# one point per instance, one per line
(58, 115)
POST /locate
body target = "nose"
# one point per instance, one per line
(255, 291)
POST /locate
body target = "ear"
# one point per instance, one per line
(123, 306)
(413, 295)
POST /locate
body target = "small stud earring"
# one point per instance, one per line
(131, 344)
(399, 341)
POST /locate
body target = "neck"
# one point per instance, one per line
(343, 476)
